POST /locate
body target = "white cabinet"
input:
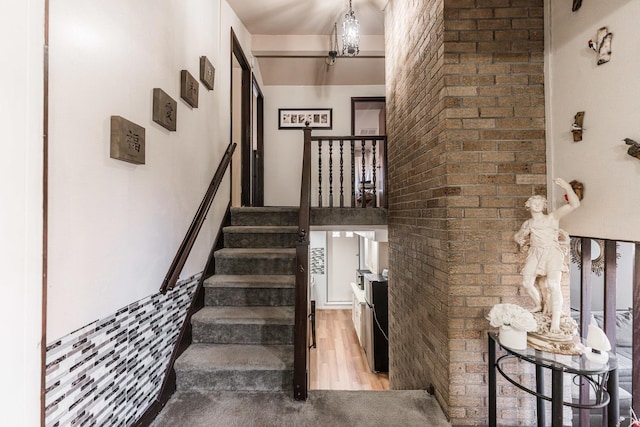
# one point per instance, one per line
(357, 311)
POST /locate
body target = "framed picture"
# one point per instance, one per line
(296, 118)
(127, 141)
(189, 88)
(165, 109)
(207, 73)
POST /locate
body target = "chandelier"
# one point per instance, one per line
(350, 34)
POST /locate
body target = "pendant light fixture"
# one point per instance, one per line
(350, 34)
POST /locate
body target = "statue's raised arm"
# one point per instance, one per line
(572, 198)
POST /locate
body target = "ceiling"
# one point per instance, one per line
(291, 40)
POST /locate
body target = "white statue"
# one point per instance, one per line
(545, 254)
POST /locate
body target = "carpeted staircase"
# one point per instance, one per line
(243, 337)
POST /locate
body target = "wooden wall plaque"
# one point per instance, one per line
(189, 88)
(165, 109)
(127, 141)
(207, 73)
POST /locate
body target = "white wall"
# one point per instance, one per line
(609, 95)
(283, 148)
(342, 263)
(114, 226)
(21, 113)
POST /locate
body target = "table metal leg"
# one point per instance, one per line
(613, 409)
(539, 400)
(584, 414)
(556, 398)
(492, 382)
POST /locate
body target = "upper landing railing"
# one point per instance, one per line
(349, 171)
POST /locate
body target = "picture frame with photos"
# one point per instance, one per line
(296, 118)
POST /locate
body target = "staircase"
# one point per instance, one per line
(243, 336)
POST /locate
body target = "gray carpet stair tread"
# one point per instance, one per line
(213, 357)
(275, 229)
(256, 252)
(251, 281)
(265, 209)
(245, 315)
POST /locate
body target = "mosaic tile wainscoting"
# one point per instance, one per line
(109, 372)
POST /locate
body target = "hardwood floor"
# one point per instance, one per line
(338, 362)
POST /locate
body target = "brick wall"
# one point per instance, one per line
(465, 100)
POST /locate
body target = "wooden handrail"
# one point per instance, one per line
(300, 342)
(192, 233)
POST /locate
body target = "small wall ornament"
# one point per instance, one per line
(601, 44)
(207, 73)
(634, 149)
(578, 188)
(189, 88)
(577, 4)
(576, 127)
(165, 109)
(127, 141)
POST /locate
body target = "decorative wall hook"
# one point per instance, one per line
(634, 149)
(578, 188)
(576, 5)
(601, 44)
(576, 127)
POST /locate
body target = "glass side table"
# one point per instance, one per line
(602, 376)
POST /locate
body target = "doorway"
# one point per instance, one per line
(368, 115)
(340, 359)
(240, 125)
(257, 145)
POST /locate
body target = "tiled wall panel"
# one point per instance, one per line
(109, 372)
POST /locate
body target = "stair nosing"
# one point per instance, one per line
(271, 229)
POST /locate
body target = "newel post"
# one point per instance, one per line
(301, 338)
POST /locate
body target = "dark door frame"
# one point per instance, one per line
(257, 189)
(245, 118)
(45, 213)
(355, 100)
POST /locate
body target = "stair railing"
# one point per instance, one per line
(184, 250)
(301, 328)
(354, 174)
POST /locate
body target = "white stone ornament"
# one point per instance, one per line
(598, 345)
